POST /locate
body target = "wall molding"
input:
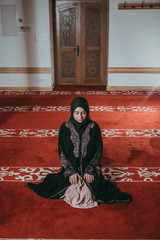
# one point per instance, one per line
(132, 88)
(134, 70)
(24, 70)
(47, 70)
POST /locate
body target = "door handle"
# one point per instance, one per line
(77, 49)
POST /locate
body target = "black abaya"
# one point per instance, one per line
(80, 149)
(80, 154)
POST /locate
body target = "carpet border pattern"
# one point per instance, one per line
(113, 174)
(78, 93)
(67, 109)
(105, 133)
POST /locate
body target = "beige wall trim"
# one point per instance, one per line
(26, 88)
(37, 70)
(132, 88)
(25, 70)
(129, 70)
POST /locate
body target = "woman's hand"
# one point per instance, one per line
(89, 178)
(74, 178)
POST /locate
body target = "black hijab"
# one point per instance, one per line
(80, 102)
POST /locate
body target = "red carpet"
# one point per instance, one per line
(29, 123)
(25, 215)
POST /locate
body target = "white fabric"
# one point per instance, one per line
(79, 196)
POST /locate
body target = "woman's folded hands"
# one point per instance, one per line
(75, 177)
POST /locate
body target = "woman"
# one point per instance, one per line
(80, 182)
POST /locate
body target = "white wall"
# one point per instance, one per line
(28, 49)
(134, 41)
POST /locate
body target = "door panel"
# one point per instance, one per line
(92, 26)
(92, 64)
(81, 41)
(67, 28)
(68, 64)
(67, 21)
(93, 44)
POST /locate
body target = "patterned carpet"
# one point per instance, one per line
(130, 124)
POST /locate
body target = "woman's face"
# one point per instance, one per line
(79, 114)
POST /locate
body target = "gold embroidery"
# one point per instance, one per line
(86, 139)
(94, 165)
(66, 165)
(74, 138)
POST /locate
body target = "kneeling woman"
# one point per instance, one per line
(80, 182)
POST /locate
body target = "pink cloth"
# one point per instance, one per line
(79, 196)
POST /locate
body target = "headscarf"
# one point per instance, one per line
(80, 102)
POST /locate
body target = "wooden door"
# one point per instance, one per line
(81, 43)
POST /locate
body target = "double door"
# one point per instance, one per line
(81, 30)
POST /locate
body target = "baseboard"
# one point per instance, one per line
(26, 88)
(132, 88)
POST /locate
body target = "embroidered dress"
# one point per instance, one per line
(80, 150)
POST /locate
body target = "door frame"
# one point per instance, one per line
(53, 37)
